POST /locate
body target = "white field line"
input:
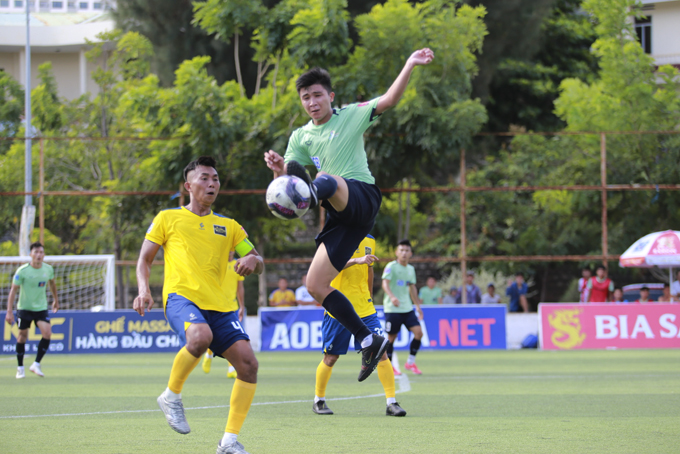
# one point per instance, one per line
(404, 386)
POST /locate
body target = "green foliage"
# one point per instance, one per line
(11, 108)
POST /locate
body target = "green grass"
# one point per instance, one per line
(476, 402)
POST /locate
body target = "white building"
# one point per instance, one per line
(58, 32)
(659, 33)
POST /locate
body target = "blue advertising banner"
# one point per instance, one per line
(98, 332)
(444, 327)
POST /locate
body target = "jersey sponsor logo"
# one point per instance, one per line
(317, 162)
(220, 230)
(192, 316)
(41, 284)
(149, 229)
(201, 226)
(401, 282)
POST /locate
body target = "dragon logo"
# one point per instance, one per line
(567, 327)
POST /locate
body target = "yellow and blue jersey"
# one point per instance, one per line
(353, 281)
(285, 297)
(196, 250)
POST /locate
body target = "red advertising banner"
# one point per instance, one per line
(608, 326)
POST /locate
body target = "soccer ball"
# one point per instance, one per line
(288, 197)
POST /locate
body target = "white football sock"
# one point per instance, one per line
(317, 398)
(228, 439)
(172, 396)
(411, 359)
(391, 400)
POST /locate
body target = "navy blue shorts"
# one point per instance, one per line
(394, 320)
(336, 337)
(225, 326)
(343, 231)
(24, 318)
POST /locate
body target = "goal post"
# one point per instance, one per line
(83, 281)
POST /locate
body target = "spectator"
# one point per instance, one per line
(302, 296)
(583, 291)
(618, 296)
(430, 294)
(490, 296)
(474, 294)
(451, 297)
(517, 291)
(600, 286)
(644, 296)
(667, 297)
(282, 296)
(675, 286)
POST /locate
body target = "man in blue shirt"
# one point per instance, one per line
(517, 291)
(474, 294)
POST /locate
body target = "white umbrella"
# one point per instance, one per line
(660, 249)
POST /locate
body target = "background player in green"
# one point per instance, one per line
(31, 280)
(430, 293)
(333, 142)
(399, 284)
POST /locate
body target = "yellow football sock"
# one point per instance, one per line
(386, 376)
(181, 368)
(241, 398)
(323, 375)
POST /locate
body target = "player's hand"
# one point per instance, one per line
(421, 57)
(245, 266)
(395, 301)
(55, 306)
(9, 317)
(142, 302)
(420, 313)
(274, 161)
(367, 260)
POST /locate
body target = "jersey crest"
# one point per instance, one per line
(220, 230)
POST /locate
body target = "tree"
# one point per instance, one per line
(11, 109)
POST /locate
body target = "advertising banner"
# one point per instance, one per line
(98, 332)
(444, 327)
(609, 326)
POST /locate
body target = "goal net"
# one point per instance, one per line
(83, 281)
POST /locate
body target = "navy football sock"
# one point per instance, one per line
(339, 307)
(21, 349)
(43, 345)
(325, 186)
(390, 349)
(415, 345)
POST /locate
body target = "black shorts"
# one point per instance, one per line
(343, 231)
(24, 318)
(394, 320)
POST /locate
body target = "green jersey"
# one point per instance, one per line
(337, 146)
(430, 295)
(401, 278)
(33, 286)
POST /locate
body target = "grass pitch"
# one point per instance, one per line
(470, 402)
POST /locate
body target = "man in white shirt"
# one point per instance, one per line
(490, 296)
(675, 286)
(302, 296)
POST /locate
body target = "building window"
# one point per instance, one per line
(18, 3)
(97, 5)
(643, 28)
(44, 5)
(82, 5)
(71, 5)
(4, 3)
(57, 5)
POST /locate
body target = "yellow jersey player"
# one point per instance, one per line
(355, 281)
(196, 244)
(233, 287)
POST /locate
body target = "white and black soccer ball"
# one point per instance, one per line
(288, 197)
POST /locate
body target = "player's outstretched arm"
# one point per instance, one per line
(144, 301)
(394, 94)
(365, 260)
(275, 162)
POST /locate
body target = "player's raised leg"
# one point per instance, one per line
(241, 356)
(198, 338)
(321, 273)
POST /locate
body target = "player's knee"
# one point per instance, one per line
(22, 337)
(248, 369)
(329, 360)
(318, 291)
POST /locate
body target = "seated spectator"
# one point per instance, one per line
(474, 294)
(644, 296)
(517, 291)
(618, 297)
(667, 297)
(430, 294)
(302, 295)
(490, 296)
(282, 296)
(451, 297)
